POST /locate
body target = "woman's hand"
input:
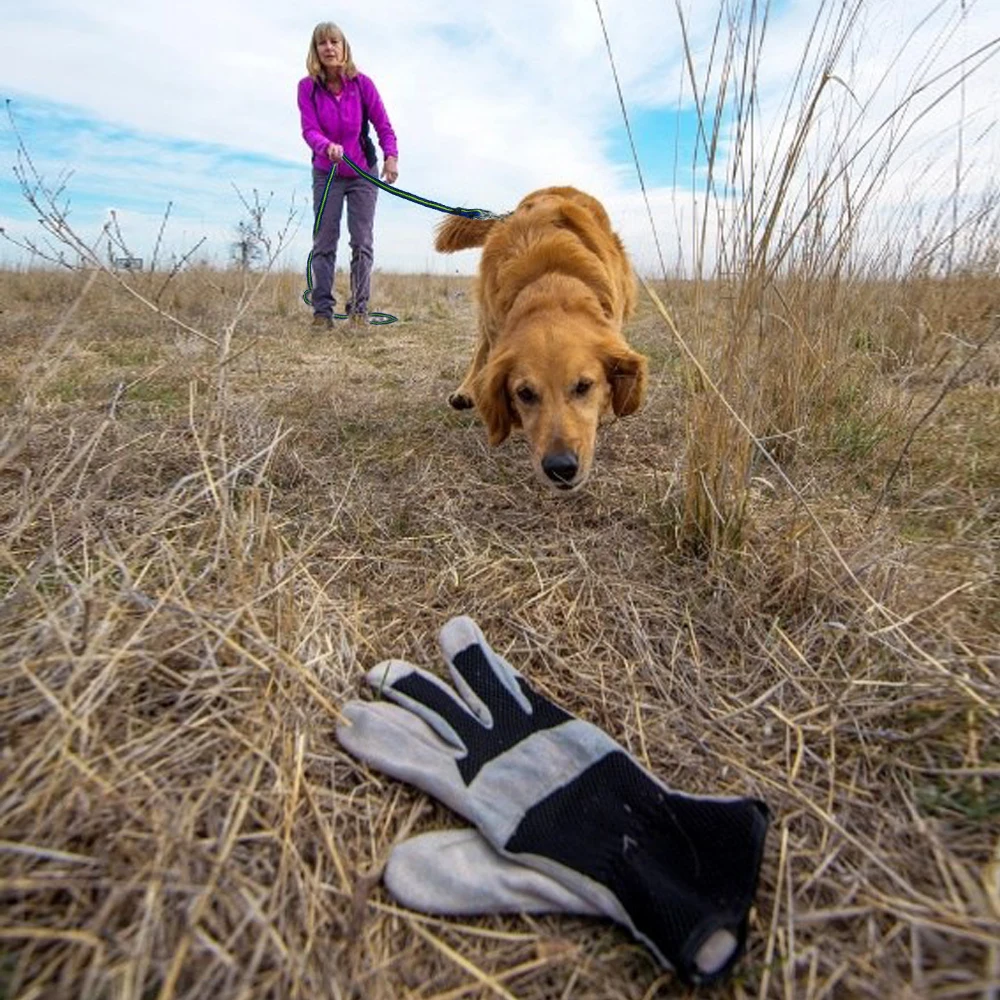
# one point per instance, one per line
(334, 152)
(390, 171)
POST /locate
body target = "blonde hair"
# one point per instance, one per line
(323, 31)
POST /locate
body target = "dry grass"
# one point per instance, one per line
(194, 581)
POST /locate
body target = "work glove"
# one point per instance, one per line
(569, 820)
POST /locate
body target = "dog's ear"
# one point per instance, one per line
(493, 399)
(626, 373)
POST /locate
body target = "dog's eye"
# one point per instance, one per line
(582, 387)
(527, 395)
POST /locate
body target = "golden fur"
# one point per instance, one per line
(554, 288)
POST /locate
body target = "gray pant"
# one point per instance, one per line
(360, 195)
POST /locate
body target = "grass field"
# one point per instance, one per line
(204, 548)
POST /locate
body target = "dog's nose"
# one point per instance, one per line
(561, 468)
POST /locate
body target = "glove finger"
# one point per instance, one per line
(457, 873)
(484, 679)
(428, 697)
(398, 743)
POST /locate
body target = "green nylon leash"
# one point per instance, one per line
(467, 213)
(374, 318)
(379, 318)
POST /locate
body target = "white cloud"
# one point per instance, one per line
(488, 101)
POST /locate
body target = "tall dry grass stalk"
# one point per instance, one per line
(792, 213)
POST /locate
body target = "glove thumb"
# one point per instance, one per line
(457, 873)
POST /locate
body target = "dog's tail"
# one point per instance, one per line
(459, 233)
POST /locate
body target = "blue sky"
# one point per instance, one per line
(137, 174)
(666, 141)
(152, 103)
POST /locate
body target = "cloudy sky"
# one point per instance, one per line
(148, 102)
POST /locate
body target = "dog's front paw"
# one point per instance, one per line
(459, 400)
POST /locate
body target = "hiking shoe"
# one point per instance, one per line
(357, 320)
(323, 321)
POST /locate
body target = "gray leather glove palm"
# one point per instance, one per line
(557, 796)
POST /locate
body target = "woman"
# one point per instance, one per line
(336, 103)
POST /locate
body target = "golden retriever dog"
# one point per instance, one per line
(554, 289)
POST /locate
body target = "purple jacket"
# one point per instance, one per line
(327, 119)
